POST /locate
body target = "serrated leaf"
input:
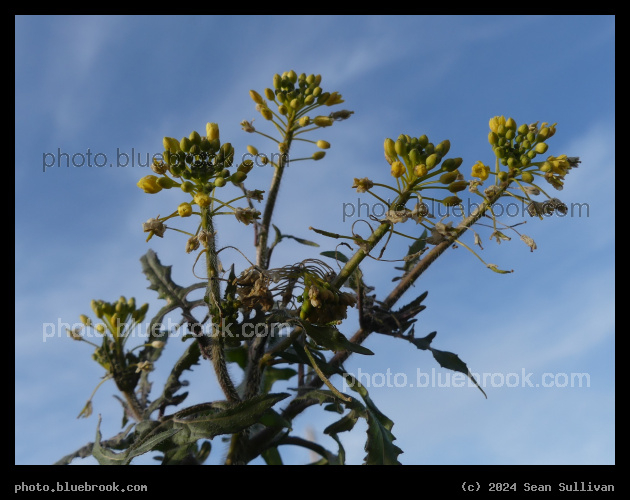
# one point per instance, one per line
(106, 456)
(271, 418)
(379, 445)
(214, 421)
(452, 362)
(149, 442)
(333, 339)
(272, 375)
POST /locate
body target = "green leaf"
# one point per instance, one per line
(213, 420)
(334, 254)
(415, 247)
(149, 442)
(452, 362)
(104, 455)
(333, 339)
(237, 355)
(425, 342)
(271, 418)
(272, 375)
(346, 423)
(379, 445)
(272, 456)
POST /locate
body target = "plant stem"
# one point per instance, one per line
(262, 258)
(214, 293)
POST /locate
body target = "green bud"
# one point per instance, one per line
(318, 79)
(266, 113)
(448, 177)
(187, 187)
(256, 97)
(85, 320)
(246, 166)
(317, 91)
(252, 150)
(432, 161)
(318, 155)
(323, 144)
(527, 177)
(543, 134)
(194, 137)
(323, 97)
(510, 124)
(531, 154)
(513, 163)
(414, 157)
(523, 129)
(503, 176)
(401, 147)
(166, 182)
(499, 152)
(501, 130)
(546, 167)
(204, 144)
(212, 131)
(443, 147)
(510, 134)
(502, 141)
(526, 144)
(541, 147)
(195, 149)
(238, 177)
(531, 137)
(277, 80)
(423, 140)
(429, 149)
(457, 186)
(292, 76)
(269, 94)
(308, 100)
(493, 138)
(97, 308)
(220, 182)
(525, 161)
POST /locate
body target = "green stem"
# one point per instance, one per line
(214, 293)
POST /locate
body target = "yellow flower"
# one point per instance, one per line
(202, 199)
(495, 122)
(398, 169)
(335, 98)
(149, 184)
(480, 170)
(184, 210)
(560, 164)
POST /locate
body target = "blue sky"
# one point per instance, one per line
(111, 84)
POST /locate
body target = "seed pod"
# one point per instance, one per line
(457, 186)
(449, 177)
(451, 201)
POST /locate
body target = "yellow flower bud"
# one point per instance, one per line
(85, 320)
(304, 121)
(398, 169)
(171, 144)
(185, 144)
(318, 155)
(510, 124)
(390, 148)
(238, 177)
(334, 98)
(202, 199)
(323, 144)
(541, 147)
(527, 177)
(149, 184)
(100, 328)
(282, 109)
(503, 176)
(256, 97)
(266, 113)
(323, 121)
(195, 138)
(184, 210)
(292, 76)
(270, 94)
(212, 131)
(187, 187)
(252, 150)
(219, 182)
(420, 170)
(277, 80)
